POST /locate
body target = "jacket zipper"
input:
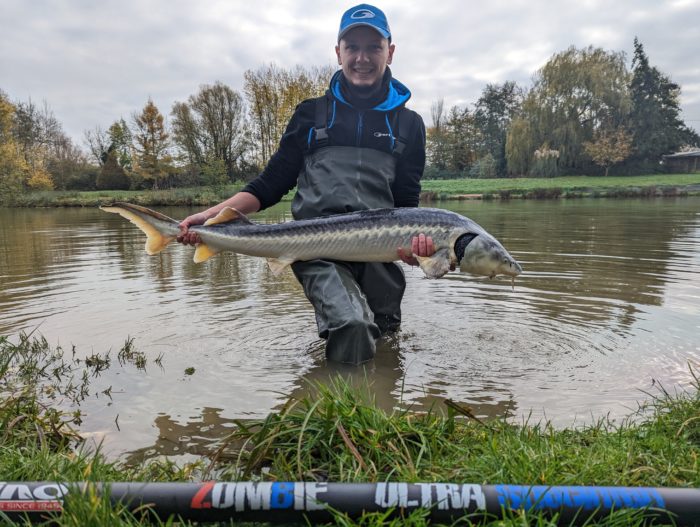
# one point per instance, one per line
(358, 137)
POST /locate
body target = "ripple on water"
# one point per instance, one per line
(608, 305)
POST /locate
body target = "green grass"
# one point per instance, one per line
(585, 185)
(565, 186)
(197, 196)
(341, 435)
(338, 434)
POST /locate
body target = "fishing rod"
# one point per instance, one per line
(313, 501)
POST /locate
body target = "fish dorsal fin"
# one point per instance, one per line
(203, 252)
(228, 215)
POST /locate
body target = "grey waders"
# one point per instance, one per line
(355, 303)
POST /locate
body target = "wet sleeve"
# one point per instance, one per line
(409, 169)
(282, 170)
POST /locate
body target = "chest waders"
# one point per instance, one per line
(355, 303)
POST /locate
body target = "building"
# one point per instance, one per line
(683, 162)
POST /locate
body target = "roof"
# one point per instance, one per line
(680, 155)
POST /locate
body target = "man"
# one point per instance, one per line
(355, 148)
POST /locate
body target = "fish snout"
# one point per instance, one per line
(512, 268)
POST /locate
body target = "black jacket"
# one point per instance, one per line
(348, 125)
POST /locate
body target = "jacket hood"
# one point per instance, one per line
(398, 94)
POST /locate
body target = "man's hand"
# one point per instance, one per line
(421, 245)
(187, 237)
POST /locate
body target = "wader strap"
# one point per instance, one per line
(402, 128)
(320, 130)
(321, 122)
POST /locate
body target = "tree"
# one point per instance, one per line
(609, 147)
(576, 93)
(37, 131)
(13, 167)
(112, 176)
(436, 140)
(152, 160)
(462, 139)
(493, 114)
(520, 147)
(655, 118)
(97, 142)
(69, 167)
(209, 128)
(273, 93)
(121, 141)
(451, 141)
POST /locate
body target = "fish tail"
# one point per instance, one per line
(153, 224)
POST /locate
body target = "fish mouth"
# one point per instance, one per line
(515, 269)
(513, 274)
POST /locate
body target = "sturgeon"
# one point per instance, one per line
(373, 235)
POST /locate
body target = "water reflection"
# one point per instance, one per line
(609, 301)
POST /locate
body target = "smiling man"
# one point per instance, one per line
(355, 148)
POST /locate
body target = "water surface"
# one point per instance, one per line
(608, 307)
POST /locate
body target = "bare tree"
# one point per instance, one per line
(97, 142)
(209, 127)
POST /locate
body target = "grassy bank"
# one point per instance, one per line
(566, 187)
(433, 190)
(339, 435)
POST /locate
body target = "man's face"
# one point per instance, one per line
(364, 55)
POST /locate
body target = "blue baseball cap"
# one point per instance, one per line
(364, 15)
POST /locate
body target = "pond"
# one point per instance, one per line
(608, 309)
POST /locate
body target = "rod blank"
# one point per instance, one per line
(288, 501)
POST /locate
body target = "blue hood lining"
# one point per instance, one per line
(397, 96)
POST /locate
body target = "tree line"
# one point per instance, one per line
(584, 113)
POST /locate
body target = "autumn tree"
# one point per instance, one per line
(272, 94)
(655, 118)
(37, 132)
(208, 128)
(609, 147)
(13, 167)
(576, 92)
(151, 143)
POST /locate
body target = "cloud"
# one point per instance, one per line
(94, 62)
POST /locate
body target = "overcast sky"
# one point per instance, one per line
(96, 61)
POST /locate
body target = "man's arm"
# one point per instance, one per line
(244, 202)
(409, 168)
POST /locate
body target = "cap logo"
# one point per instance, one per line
(362, 13)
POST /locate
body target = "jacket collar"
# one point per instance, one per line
(396, 96)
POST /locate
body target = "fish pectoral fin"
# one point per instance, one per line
(203, 252)
(277, 265)
(228, 215)
(436, 265)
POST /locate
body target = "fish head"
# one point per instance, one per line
(485, 256)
